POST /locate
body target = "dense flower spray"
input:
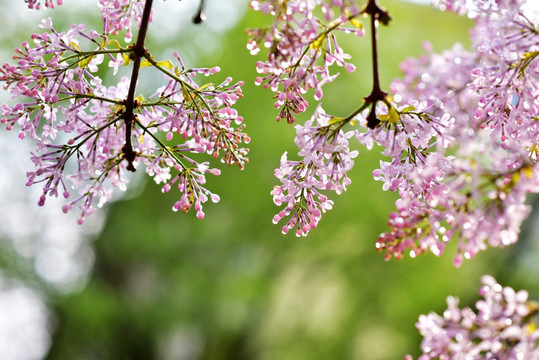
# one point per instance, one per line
(459, 131)
(459, 134)
(478, 177)
(504, 327)
(88, 135)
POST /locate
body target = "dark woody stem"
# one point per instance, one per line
(377, 94)
(137, 53)
(199, 17)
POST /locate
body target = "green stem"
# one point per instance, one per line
(161, 144)
(91, 97)
(152, 61)
(87, 54)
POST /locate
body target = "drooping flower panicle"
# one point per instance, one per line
(504, 327)
(79, 128)
(326, 159)
(301, 49)
(487, 164)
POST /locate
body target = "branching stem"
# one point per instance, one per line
(199, 17)
(129, 114)
(377, 94)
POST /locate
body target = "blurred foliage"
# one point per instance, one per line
(169, 286)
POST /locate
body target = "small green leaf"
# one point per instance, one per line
(317, 43)
(115, 44)
(407, 109)
(145, 63)
(186, 94)
(393, 115)
(75, 46)
(205, 86)
(84, 62)
(126, 59)
(166, 64)
(356, 23)
(335, 120)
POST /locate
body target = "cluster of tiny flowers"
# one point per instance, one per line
(413, 137)
(118, 15)
(301, 49)
(326, 159)
(36, 4)
(197, 119)
(79, 125)
(504, 327)
(479, 161)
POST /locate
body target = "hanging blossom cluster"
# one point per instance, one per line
(504, 327)
(460, 131)
(89, 135)
(118, 15)
(472, 181)
(326, 158)
(36, 4)
(301, 50)
(302, 47)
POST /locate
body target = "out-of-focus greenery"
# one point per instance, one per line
(169, 286)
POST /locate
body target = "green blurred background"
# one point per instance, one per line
(169, 286)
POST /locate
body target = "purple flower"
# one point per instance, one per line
(326, 159)
(301, 49)
(502, 328)
(78, 124)
(464, 161)
(36, 4)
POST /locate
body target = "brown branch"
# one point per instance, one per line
(129, 114)
(377, 94)
(199, 17)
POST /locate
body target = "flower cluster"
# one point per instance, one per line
(88, 135)
(118, 15)
(326, 159)
(36, 4)
(472, 183)
(504, 327)
(460, 132)
(301, 49)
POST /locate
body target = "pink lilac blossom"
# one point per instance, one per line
(503, 327)
(36, 4)
(78, 125)
(118, 15)
(472, 187)
(326, 159)
(301, 49)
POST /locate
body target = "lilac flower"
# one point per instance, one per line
(79, 128)
(36, 4)
(502, 328)
(326, 159)
(302, 48)
(468, 176)
(118, 15)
